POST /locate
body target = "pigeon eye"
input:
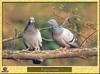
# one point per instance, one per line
(51, 21)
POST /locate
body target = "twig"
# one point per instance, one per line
(64, 21)
(49, 40)
(45, 28)
(87, 38)
(58, 15)
(47, 54)
(9, 39)
(12, 38)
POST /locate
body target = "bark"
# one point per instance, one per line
(47, 54)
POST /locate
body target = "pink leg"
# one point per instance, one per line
(26, 49)
(37, 49)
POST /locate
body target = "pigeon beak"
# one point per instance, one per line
(32, 21)
(50, 23)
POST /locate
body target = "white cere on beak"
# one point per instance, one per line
(31, 19)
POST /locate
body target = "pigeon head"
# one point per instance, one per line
(53, 23)
(55, 26)
(31, 20)
(30, 26)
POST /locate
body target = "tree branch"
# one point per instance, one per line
(47, 54)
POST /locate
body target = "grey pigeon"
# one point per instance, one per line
(32, 36)
(62, 36)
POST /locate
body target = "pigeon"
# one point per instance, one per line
(62, 36)
(32, 37)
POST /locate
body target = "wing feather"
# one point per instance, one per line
(70, 39)
(39, 38)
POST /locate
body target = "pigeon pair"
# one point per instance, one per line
(62, 36)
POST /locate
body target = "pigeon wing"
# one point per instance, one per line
(39, 38)
(69, 38)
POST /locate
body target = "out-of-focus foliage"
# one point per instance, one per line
(82, 22)
(43, 22)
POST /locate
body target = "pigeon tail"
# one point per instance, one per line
(36, 61)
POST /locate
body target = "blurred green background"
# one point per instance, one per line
(16, 15)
